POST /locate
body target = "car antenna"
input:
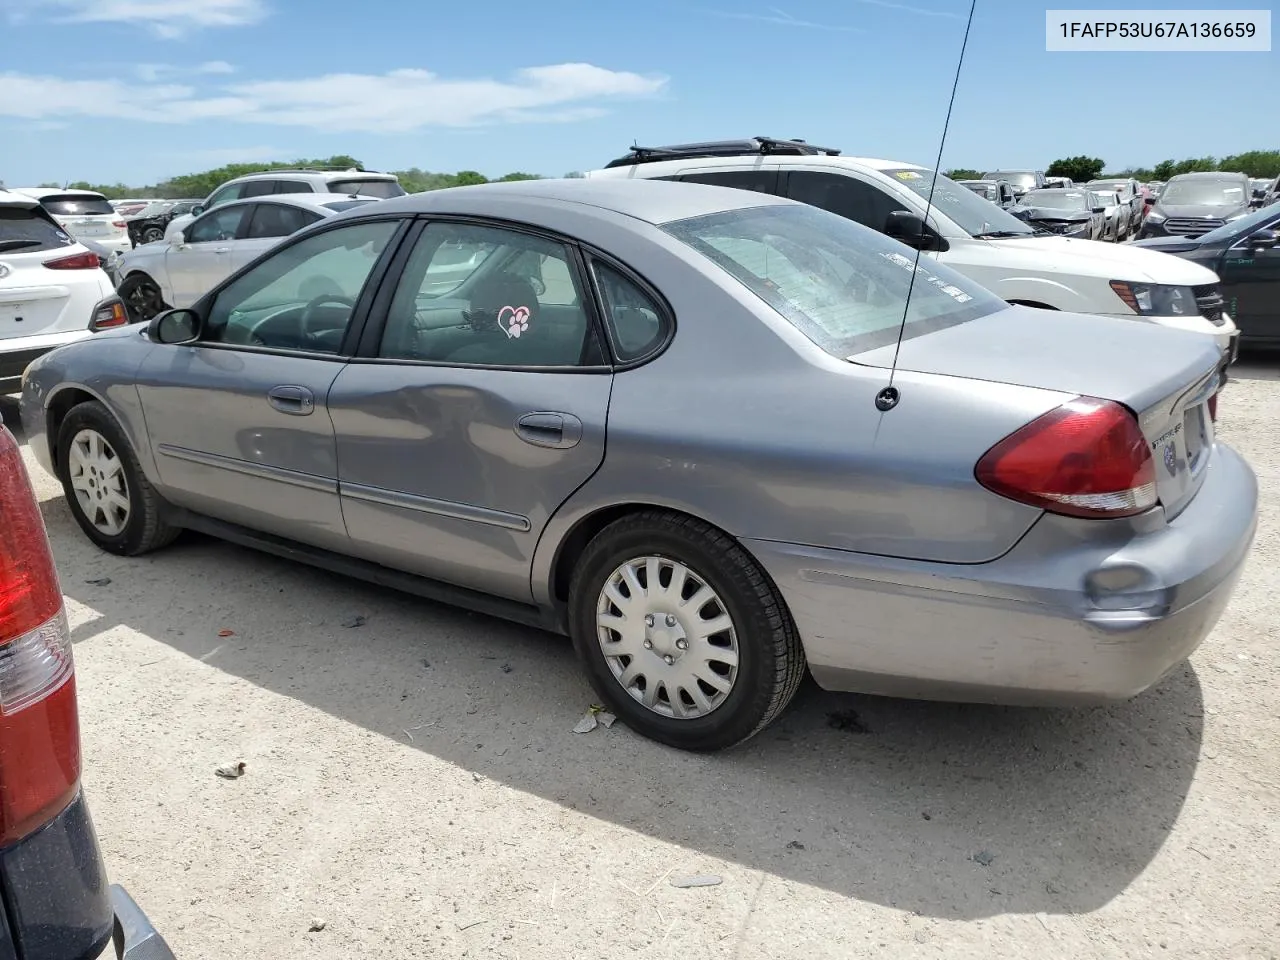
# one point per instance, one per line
(888, 398)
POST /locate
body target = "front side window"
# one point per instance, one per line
(966, 210)
(845, 197)
(278, 220)
(225, 195)
(842, 285)
(221, 224)
(303, 296)
(512, 301)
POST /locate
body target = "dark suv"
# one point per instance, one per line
(55, 899)
(1192, 204)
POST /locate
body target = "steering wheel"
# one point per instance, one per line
(308, 320)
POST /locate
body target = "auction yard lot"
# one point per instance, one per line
(412, 781)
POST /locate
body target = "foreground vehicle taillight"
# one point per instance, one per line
(39, 723)
(1087, 458)
(1213, 408)
(77, 261)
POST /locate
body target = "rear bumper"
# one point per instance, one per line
(1064, 618)
(18, 352)
(133, 936)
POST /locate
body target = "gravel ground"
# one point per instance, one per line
(414, 783)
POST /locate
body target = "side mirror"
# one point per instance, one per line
(908, 228)
(1150, 201)
(197, 209)
(1097, 209)
(175, 327)
(1264, 239)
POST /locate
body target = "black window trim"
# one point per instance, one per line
(355, 328)
(371, 339)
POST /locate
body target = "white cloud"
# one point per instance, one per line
(781, 18)
(215, 66)
(166, 18)
(395, 102)
(152, 72)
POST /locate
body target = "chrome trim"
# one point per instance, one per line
(261, 471)
(439, 508)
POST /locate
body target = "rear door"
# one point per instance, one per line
(203, 258)
(31, 297)
(762, 178)
(472, 414)
(843, 194)
(268, 223)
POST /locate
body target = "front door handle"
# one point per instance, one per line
(296, 401)
(547, 429)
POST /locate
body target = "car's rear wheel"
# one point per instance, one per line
(152, 235)
(109, 495)
(683, 635)
(142, 297)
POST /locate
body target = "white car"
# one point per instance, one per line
(962, 230)
(176, 271)
(83, 214)
(1115, 213)
(49, 284)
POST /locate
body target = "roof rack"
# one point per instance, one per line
(319, 169)
(722, 148)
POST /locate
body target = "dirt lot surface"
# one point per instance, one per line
(414, 783)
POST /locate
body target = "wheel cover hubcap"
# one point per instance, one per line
(97, 478)
(667, 637)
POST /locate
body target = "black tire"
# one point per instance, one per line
(144, 529)
(771, 662)
(142, 297)
(152, 235)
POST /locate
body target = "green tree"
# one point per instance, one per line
(202, 184)
(1255, 163)
(468, 178)
(575, 175)
(961, 173)
(1081, 169)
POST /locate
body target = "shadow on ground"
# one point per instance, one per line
(946, 810)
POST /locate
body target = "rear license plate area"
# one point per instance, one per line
(1195, 434)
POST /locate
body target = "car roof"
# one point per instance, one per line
(325, 175)
(11, 198)
(1209, 175)
(652, 201)
(41, 192)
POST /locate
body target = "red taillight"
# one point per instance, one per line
(1087, 458)
(120, 224)
(77, 261)
(108, 314)
(39, 723)
(1213, 408)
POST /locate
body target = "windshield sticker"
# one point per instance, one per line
(513, 321)
(951, 290)
(908, 175)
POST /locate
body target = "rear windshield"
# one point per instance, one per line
(380, 189)
(1019, 178)
(69, 205)
(28, 231)
(841, 284)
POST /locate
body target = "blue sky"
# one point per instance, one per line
(136, 90)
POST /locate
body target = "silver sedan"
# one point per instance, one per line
(719, 438)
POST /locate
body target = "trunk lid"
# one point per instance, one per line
(1165, 376)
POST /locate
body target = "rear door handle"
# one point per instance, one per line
(297, 401)
(221, 249)
(548, 429)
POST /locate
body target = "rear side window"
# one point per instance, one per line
(293, 186)
(69, 205)
(257, 188)
(220, 225)
(277, 220)
(636, 322)
(380, 189)
(28, 231)
(761, 181)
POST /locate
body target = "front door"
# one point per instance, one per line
(1251, 284)
(268, 224)
(201, 258)
(238, 421)
(479, 409)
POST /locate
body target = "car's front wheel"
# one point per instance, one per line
(142, 297)
(682, 633)
(152, 235)
(109, 495)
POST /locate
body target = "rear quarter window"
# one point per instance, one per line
(29, 231)
(73, 206)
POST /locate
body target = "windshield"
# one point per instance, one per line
(1213, 192)
(70, 205)
(1021, 179)
(380, 189)
(1244, 226)
(972, 214)
(841, 284)
(1055, 200)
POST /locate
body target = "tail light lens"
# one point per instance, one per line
(107, 314)
(119, 224)
(1087, 458)
(77, 261)
(39, 722)
(1213, 408)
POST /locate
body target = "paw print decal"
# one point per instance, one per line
(513, 321)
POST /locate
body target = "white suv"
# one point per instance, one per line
(49, 285)
(85, 215)
(1014, 260)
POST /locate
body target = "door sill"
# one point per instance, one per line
(525, 614)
